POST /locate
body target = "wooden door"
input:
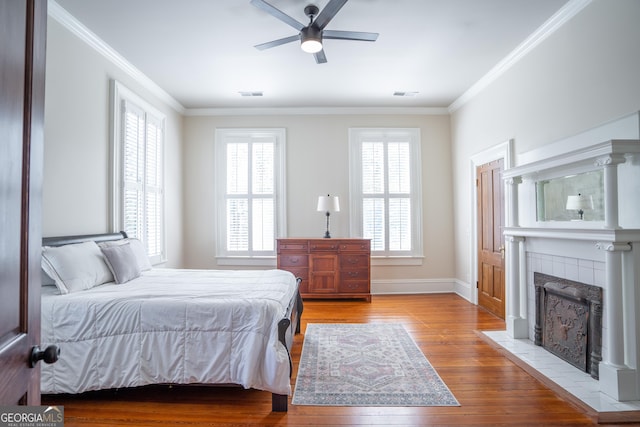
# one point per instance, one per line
(22, 67)
(491, 283)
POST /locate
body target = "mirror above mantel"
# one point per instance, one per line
(576, 197)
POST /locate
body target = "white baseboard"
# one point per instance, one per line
(420, 286)
(464, 290)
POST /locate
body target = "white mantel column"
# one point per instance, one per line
(512, 206)
(610, 164)
(516, 323)
(516, 286)
(617, 379)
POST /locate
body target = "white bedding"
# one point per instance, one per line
(170, 326)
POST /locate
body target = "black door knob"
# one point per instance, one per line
(49, 355)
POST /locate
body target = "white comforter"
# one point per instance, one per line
(170, 326)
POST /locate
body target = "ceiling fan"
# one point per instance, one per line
(311, 35)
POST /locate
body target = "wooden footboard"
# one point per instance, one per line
(287, 328)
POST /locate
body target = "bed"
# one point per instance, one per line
(120, 323)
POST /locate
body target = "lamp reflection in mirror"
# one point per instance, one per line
(579, 203)
(328, 204)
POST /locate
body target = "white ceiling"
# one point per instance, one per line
(201, 51)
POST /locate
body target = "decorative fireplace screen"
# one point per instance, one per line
(569, 321)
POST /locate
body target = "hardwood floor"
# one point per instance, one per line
(491, 389)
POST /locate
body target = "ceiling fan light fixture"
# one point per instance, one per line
(310, 40)
(312, 34)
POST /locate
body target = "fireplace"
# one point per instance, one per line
(569, 321)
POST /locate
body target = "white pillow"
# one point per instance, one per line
(122, 262)
(75, 267)
(137, 247)
(46, 280)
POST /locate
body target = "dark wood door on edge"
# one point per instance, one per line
(23, 26)
(491, 274)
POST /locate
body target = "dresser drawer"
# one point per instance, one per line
(354, 274)
(291, 260)
(323, 246)
(354, 286)
(354, 261)
(293, 246)
(360, 246)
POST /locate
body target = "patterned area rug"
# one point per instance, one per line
(372, 364)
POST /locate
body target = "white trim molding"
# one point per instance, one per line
(412, 286)
(318, 111)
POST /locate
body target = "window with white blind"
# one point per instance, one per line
(250, 194)
(385, 191)
(138, 194)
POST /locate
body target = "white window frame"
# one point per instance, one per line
(120, 97)
(223, 136)
(357, 136)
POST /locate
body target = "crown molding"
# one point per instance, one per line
(562, 16)
(57, 12)
(317, 111)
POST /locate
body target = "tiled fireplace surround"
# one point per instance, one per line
(601, 253)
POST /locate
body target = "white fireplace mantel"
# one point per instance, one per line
(615, 241)
(587, 234)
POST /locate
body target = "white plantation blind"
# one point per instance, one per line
(153, 188)
(385, 190)
(132, 168)
(250, 170)
(138, 172)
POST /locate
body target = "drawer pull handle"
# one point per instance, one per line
(352, 260)
(354, 273)
(295, 260)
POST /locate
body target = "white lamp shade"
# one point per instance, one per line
(328, 204)
(579, 202)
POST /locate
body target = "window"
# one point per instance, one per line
(138, 193)
(250, 193)
(385, 190)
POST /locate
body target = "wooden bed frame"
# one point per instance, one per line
(287, 326)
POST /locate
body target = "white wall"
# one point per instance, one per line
(585, 74)
(317, 163)
(76, 195)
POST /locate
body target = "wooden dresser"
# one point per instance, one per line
(329, 268)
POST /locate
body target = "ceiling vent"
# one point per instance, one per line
(249, 93)
(405, 93)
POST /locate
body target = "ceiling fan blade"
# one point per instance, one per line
(261, 4)
(274, 43)
(350, 35)
(320, 57)
(328, 13)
